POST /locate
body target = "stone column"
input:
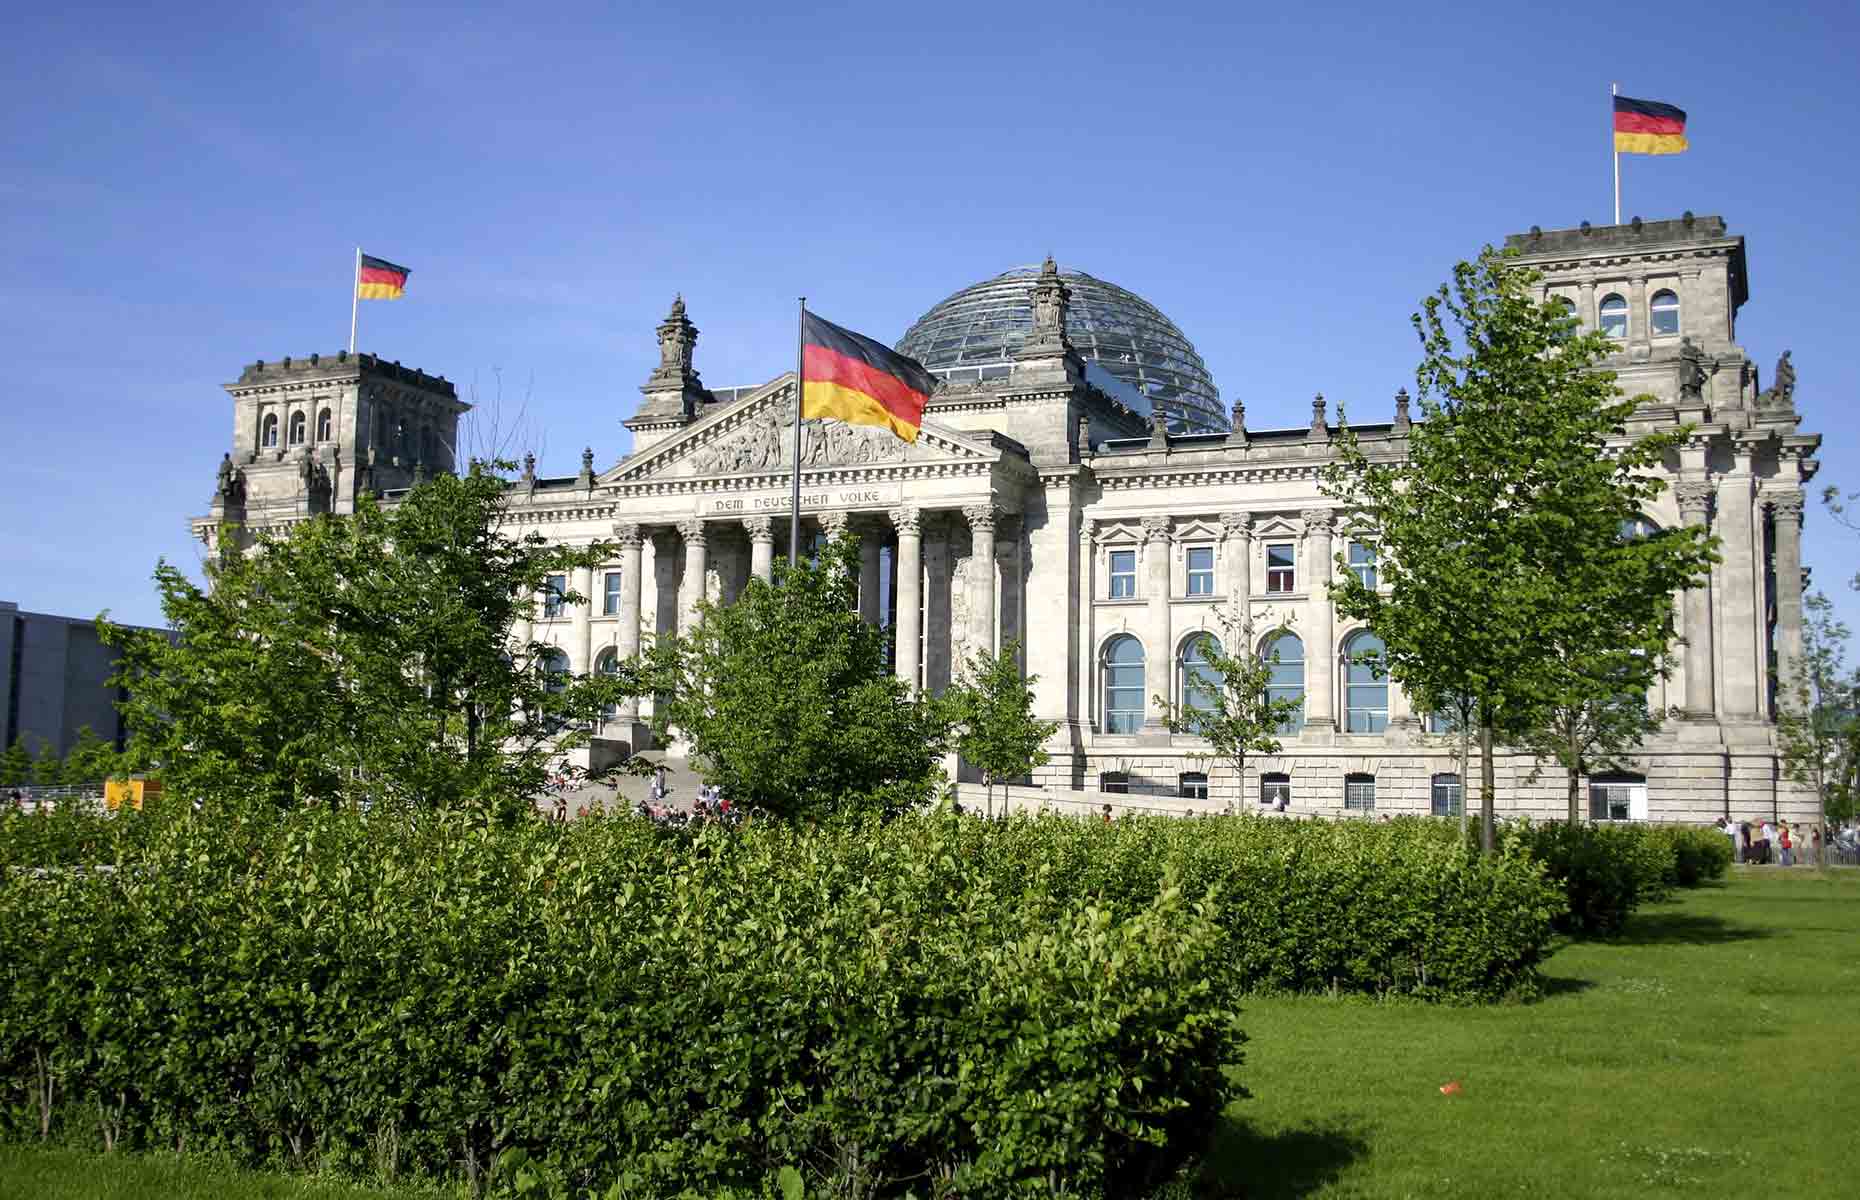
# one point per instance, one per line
(870, 543)
(761, 547)
(1639, 328)
(626, 642)
(1740, 631)
(1159, 654)
(1238, 528)
(1688, 312)
(1701, 701)
(909, 625)
(1320, 650)
(983, 626)
(1786, 513)
(941, 640)
(696, 565)
(1591, 320)
(580, 624)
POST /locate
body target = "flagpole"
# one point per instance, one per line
(355, 298)
(1614, 89)
(800, 375)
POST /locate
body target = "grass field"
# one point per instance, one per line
(1712, 1050)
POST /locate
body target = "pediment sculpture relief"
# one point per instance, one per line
(766, 442)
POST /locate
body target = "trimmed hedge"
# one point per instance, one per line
(877, 1008)
(1609, 870)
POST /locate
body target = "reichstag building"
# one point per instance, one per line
(1079, 488)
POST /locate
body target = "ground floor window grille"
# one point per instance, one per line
(1192, 785)
(1359, 792)
(1449, 796)
(1275, 790)
(1618, 798)
(1114, 781)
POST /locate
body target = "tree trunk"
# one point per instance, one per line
(1465, 769)
(1488, 833)
(1574, 769)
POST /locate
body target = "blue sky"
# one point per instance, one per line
(181, 189)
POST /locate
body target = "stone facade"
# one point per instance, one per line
(1039, 508)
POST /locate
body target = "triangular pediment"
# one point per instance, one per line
(755, 436)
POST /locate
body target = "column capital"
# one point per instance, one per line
(1156, 529)
(1694, 502)
(761, 529)
(1237, 524)
(1319, 520)
(835, 523)
(693, 531)
(627, 534)
(981, 516)
(908, 521)
(1786, 507)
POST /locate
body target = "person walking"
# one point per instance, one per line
(1784, 840)
(1766, 839)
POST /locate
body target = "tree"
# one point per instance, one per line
(363, 656)
(785, 700)
(1499, 528)
(993, 707)
(1232, 705)
(1819, 730)
(90, 759)
(49, 769)
(16, 765)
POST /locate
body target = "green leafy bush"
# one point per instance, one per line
(1608, 870)
(878, 1007)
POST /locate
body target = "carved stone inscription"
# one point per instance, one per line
(812, 499)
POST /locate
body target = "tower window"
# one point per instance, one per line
(297, 429)
(324, 426)
(1664, 311)
(268, 431)
(1614, 313)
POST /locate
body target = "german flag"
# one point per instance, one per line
(849, 377)
(379, 279)
(1648, 127)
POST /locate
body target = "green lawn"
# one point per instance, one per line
(1713, 1050)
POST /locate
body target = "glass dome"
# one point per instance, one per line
(973, 335)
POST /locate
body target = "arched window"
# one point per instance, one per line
(554, 664)
(1635, 528)
(608, 663)
(1448, 795)
(1614, 312)
(324, 426)
(1565, 305)
(1122, 674)
(268, 431)
(1196, 680)
(1285, 655)
(297, 429)
(1366, 684)
(1663, 313)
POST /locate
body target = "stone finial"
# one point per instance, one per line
(1402, 421)
(529, 470)
(1236, 432)
(1084, 435)
(1320, 429)
(677, 344)
(587, 460)
(1051, 298)
(1159, 429)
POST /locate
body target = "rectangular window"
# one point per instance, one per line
(1276, 790)
(1449, 796)
(554, 588)
(1281, 567)
(610, 600)
(1123, 574)
(1618, 801)
(1359, 793)
(1363, 563)
(1192, 785)
(1114, 781)
(1201, 570)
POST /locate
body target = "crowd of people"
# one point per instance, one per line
(1778, 843)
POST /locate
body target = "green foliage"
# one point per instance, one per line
(15, 765)
(993, 708)
(785, 700)
(607, 1008)
(1235, 713)
(1505, 580)
(1818, 722)
(91, 760)
(1609, 870)
(362, 657)
(48, 770)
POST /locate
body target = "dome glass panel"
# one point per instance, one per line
(1128, 336)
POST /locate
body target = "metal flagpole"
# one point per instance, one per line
(355, 298)
(1614, 89)
(800, 376)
